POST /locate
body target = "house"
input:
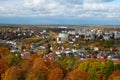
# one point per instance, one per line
(106, 36)
(88, 36)
(25, 54)
(96, 48)
(116, 35)
(62, 37)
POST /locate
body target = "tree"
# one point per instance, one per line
(12, 73)
(12, 59)
(25, 67)
(68, 62)
(97, 69)
(4, 52)
(109, 67)
(115, 75)
(3, 67)
(78, 75)
(38, 71)
(55, 74)
(34, 56)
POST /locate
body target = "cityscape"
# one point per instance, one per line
(66, 46)
(59, 40)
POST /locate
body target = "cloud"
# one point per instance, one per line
(108, 0)
(72, 8)
(97, 1)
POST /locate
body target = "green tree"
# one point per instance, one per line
(12, 59)
(97, 69)
(69, 62)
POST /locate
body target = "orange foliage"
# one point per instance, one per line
(4, 52)
(50, 64)
(115, 75)
(34, 56)
(26, 64)
(78, 75)
(38, 71)
(3, 67)
(56, 74)
(12, 73)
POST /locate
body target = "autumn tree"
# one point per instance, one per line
(34, 56)
(12, 73)
(55, 74)
(115, 75)
(25, 66)
(78, 75)
(50, 64)
(12, 59)
(4, 52)
(3, 67)
(38, 71)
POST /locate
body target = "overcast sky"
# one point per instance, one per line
(104, 12)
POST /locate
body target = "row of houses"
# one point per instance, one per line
(20, 33)
(64, 35)
(72, 35)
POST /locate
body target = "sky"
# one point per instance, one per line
(68, 12)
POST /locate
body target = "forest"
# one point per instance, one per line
(13, 67)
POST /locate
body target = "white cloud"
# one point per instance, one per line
(76, 8)
(33, 3)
